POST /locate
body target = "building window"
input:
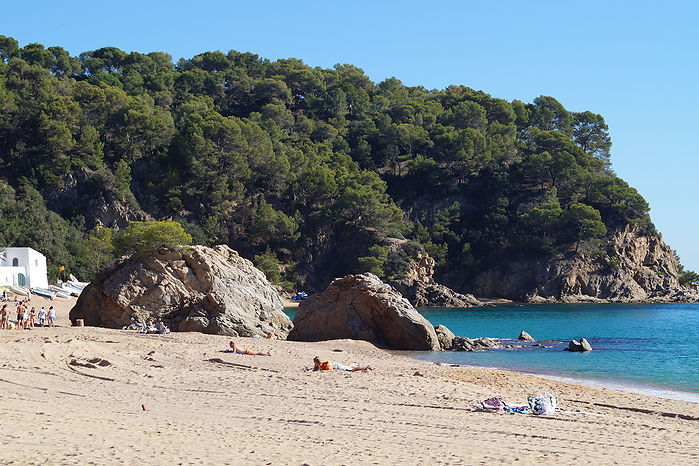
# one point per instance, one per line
(15, 262)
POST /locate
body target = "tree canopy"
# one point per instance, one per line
(290, 163)
(149, 236)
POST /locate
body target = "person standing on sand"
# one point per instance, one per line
(4, 315)
(32, 318)
(42, 316)
(20, 316)
(25, 317)
(51, 316)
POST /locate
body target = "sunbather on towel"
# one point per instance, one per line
(235, 350)
(334, 366)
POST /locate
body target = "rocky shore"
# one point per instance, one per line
(635, 268)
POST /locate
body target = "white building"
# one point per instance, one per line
(23, 267)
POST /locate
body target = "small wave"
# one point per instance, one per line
(647, 390)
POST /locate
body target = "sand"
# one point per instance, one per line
(290, 302)
(77, 396)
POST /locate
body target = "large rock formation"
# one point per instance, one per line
(210, 290)
(581, 346)
(362, 307)
(415, 279)
(468, 344)
(635, 268)
(445, 336)
(98, 207)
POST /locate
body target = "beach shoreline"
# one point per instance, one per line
(63, 307)
(648, 389)
(111, 396)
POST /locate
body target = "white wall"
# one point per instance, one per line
(32, 261)
(8, 275)
(36, 270)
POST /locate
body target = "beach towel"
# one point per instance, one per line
(517, 409)
(495, 403)
(543, 404)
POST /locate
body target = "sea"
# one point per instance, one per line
(651, 349)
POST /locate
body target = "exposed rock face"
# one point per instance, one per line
(210, 290)
(362, 307)
(636, 268)
(468, 344)
(416, 281)
(445, 336)
(579, 346)
(524, 336)
(110, 211)
(99, 206)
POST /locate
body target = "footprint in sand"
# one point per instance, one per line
(91, 363)
(100, 362)
(75, 362)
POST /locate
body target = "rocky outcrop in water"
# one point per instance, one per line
(581, 346)
(414, 278)
(445, 336)
(468, 344)
(634, 268)
(362, 307)
(524, 336)
(210, 290)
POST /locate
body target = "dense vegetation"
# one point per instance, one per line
(304, 169)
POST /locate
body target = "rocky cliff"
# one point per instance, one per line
(94, 196)
(415, 279)
(634, 268)
(210, 290)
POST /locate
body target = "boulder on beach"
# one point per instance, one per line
(199, 289)
(362, 307)
(524, 336)
(445, 336)
(579, 346)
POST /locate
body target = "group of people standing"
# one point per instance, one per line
(26, 318)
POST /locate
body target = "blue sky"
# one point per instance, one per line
(633, 62)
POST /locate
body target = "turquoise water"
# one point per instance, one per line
(646, 347)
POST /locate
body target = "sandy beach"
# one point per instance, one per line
(101, 396)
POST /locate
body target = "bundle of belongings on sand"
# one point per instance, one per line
(148, 326)
(541, 404)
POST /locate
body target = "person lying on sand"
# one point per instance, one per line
(334, 366)
(246, 351)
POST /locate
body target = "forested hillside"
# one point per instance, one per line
(305, 170)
